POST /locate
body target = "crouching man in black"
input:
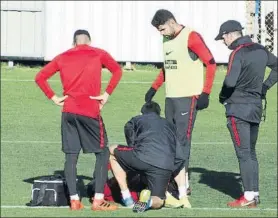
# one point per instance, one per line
(154, 152)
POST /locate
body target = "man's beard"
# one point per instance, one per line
(171, 36)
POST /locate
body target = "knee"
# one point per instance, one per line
(112, 158)
(71, 159)
(253, 155)
(243, 155)
(104, 153)
(157, 202)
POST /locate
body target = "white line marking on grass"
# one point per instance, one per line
(196, 208)
(31, 142)
(196, 143)
(123, 82)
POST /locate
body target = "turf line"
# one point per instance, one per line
(122, 142)
(196, 208)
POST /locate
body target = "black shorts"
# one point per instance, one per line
(81, 132)
(157, 178)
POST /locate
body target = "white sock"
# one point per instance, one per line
(256, 194)
(126, 194)
(182, 191)
(99, 196)
(249, 195)
(74, 197)
(151, 203)
(186, 180)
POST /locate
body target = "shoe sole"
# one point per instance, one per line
(80, 208)
(76, 209)
(251, 205)
(103, 209)
(186, 207)
(129, 206)
(174, 207)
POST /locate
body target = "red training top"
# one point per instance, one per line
(80, 72)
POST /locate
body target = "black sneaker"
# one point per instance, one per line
(188, 191)
(257, 199)
(144, 202)
(140, 207)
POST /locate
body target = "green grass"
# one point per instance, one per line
(29, 123)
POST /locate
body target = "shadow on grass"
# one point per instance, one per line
(226, 182)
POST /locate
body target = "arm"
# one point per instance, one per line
(44, 74)
(197, 45)
(155, 86)
(272, 64)
(234, 69)
(271, 79)
(159, 80)
(129, 130)
(114, 68)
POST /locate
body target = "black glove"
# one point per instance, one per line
(221, 99)
(203, 101)
(225, 93)
(149, 95)
(264, 91)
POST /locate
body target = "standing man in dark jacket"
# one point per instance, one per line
(82, 126)
(154, 151)
(241, 94)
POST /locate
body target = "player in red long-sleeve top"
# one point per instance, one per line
(82, 126)
(185, 53)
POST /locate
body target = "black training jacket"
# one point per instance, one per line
(154, 140)
(242, 87)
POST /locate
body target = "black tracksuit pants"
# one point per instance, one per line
(244, 135)
(182, 112)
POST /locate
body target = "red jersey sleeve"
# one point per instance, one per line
(44, 74)
(198, 46)
(109, 62)
(159, 80)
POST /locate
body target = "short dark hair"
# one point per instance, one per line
(80, 32)
(149, 107)
(161, 17)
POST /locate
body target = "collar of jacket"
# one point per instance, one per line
(240, 41)
(82, 46)
(151, 114)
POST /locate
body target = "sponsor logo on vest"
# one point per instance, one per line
(170, 64)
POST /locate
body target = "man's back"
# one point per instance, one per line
(245, 74)
(254, 60)
(80, 72)
(153, 139)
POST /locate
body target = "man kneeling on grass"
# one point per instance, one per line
(153, 151)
